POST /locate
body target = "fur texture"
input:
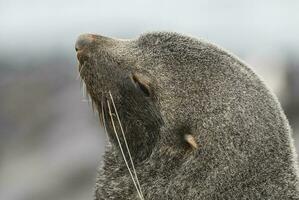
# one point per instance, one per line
(244, 141)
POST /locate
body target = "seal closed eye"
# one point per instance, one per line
(142, 85)
(185, 120)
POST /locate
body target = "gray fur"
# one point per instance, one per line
(244, 150)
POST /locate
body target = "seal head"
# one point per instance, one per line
(200, 124)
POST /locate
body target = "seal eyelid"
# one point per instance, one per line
(142, 84)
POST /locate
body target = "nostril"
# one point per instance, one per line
(76, 49)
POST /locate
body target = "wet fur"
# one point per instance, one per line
(245, 150)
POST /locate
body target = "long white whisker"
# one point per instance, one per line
(122, 152)
(103, 119)
(84, 90)
(87, 98)
(79, 73)
(125, 140)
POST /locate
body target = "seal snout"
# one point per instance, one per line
(82, 45)
(84, 41)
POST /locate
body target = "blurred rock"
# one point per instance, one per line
(50, 141)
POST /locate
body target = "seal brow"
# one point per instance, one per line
(122, 152)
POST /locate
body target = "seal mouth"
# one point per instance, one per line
(102, 104)
(81, 66)
(80, 56)
(105, 110)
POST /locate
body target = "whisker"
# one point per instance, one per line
(103, 119)
(125, 140)
(79, 73)
(122, 152)
(84, 90)
(85, 93)
(92, 105)
(85, 100)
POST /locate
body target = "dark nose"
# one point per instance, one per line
(84, 41)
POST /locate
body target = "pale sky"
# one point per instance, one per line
(234, 24)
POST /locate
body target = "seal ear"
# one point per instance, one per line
(191, 141)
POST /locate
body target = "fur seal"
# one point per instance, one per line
(185, 120)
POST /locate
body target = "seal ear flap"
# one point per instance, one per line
(191, 141)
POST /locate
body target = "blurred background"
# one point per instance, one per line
(50, 140)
